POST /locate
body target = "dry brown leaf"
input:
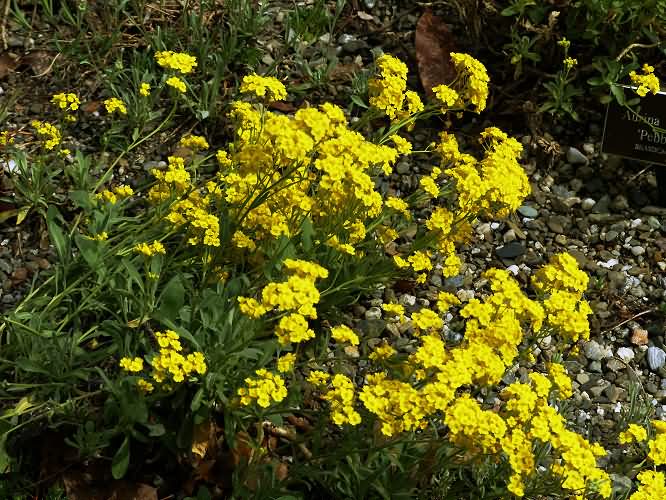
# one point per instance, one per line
(204, 439)
(40, 62)
(7, 64)
(79, 487)
(434, 44)
(283, 106)
(91, 107)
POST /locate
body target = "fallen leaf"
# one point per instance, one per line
(40, 62)
(284, 107)
(434, 44)
(8, 64)
(204, 438)
(80, 487)
(91, 107)
(8, 214)
(365, 16)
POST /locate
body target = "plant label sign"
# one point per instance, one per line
(638, 133)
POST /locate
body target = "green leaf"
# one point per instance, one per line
(5, 459)
(618, 93)
(155, 430)
(120, 461)
(90, 250)
(357, 100)
(81, 199)
(58, 237)
(22, 214)
(172, 298)
(306, 234)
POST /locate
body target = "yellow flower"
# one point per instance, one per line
(48, 132)
(343, 334)
(194, 142)
(263, 86)
(318, 377)
(286, 363)
(150, 249)
(66, 101)
(634, 433)
(178, 61)
(262, 389)
(144, 89)
(145, 386)
(647, 82)
(114, 104)
(176, 83)
(570, 62)
(131, 364)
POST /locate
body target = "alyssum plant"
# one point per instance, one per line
(218, 296)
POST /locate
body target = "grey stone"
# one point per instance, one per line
(587, 203)
(403, 167)
(637, 250)
(527, 211)
(407, 300)
(626, 354)
(509, 236)
(594, 366)
(615, 365)
(611, 236)
(656, 357)
(373, 313)
(615, 393)
(575, 157)
(510, 250)
(595, 352)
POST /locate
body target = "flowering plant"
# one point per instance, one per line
(220, 292)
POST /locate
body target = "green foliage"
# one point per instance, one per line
(609, 38)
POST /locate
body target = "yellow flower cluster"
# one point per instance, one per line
(114, 104)
(150, 249)
(286, 363)
(131, 364)
(177, 61)
(564, 283)
(176, 83)
(647, 82)
(264, 86)
(48, 132)
(570, 62)
(66, 101)
(633, 434)
(194, 142)
(329, 166)
(652, 487)
(388, 91)
(298, 296)
(657, 446)
(343, 333)
(262, 389)
(341, 399)
(170, 364)
(174, 181)
(119, 192)
(472, 80)
(447, 96)
(496, 185)
(144, 89)
(6, 138)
